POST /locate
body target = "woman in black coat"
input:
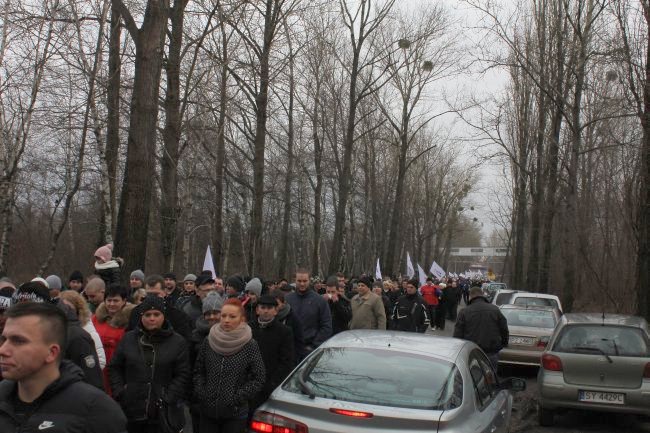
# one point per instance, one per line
(150, 370)
(229, 372)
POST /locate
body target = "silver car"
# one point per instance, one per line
(374, 381)
(598, 362)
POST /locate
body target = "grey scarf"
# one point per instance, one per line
(228, 343)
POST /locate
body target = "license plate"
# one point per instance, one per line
(601, 397)
(521, 340)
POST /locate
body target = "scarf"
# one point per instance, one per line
(264, 324)
(284, 312)
(108, 265)
(228, 343)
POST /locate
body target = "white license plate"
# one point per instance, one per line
(601, 397)
(521, 340)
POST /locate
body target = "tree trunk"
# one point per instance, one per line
(133, 219)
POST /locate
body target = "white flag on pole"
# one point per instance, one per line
(378, 272)
(410, 271)
(422, 275)
(208, 264)
(437, 270)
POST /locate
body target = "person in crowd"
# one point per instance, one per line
(6, 283)
(283, 285)
(313, 314)
(343, 281)
(171, 287)
(228, 373)
(5, 303)
(76, 301)
(378, 289)
(253, 290)
(219, 287)
(44, 390)
(394, 292)
(410, 310)
(453, 299)
(193, 305)
(150, 370)
(189, 285)
(179, 321)
(94, 292)
(138, 296)
(235, 286)
(106, 267)
(275, 341)
(367, 308)
(430, 295)
(441, 309)
(483, 324)
(136, 280)
(464, 288)
(286, 317)
(76, 281)
(55, 285)
(340, 309)
(110, 320)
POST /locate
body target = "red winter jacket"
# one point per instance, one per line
(428, 293)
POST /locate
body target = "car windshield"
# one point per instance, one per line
(380, 377)
(532, 300)
(502, 298)
(532, 318)
(602, 339)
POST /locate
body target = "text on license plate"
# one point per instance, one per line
(521, 340)
(601, 397)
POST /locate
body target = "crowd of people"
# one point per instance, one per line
(145, 352)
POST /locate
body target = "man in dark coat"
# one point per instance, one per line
(483, 324)
(286, 317)
(56, 396)
(276, 345)
(410, 310)
(339, 306)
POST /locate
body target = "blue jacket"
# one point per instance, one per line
(314, 315)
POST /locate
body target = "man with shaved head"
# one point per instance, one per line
(39, 386)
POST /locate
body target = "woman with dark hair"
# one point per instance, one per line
(150, 371)
(229, 371)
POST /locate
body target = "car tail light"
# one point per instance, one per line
(646, 371)
(265, 422)
(542, 342)
(551, 362)
(352, 413)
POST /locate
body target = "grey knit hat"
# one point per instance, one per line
(254, 286)
(212, 302)
(138, 274)
(54, 282)
(189, 277)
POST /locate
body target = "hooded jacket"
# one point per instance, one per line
(147, 367)
(68, 405)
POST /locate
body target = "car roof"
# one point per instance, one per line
(426, 344)
(535, 295)
(606, 319)
(527, 307)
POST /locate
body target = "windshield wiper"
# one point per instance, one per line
(304, 387)
(594, 349)
(613, 343)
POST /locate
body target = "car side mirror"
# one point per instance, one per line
(514, 384)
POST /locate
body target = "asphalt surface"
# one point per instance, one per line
(525, 408)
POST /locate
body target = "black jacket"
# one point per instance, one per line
(483, 324)
(178, 320)
(341, 315)
(68, 405)
(314, 315)
(410, 314)
(147, 367)
(223, 385)
(80, 349)
(275, 341)
(286, 317)
(192, 306)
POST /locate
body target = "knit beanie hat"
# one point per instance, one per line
(76, 276)
(5, 298)
(189, 277)
(34, 291)
(105, 253)
(254, 286)
(366, 280)
(236, 282)
(54, 282)
(152, 302)
(212, 302)
(137, 274)
(332, 281)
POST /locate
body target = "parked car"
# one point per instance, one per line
(539, 299)
(503, 296)
(530, 330)
(490, 289)
(598, 362)
(390, 381)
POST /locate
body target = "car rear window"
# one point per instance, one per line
(503, 298)
(380, 377)
(532, 318)
(602, 340)
(541, 302)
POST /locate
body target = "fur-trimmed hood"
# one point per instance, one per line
(120, 320)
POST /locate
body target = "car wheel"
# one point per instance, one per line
(546, 416)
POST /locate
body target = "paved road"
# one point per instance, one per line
(525, 413)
